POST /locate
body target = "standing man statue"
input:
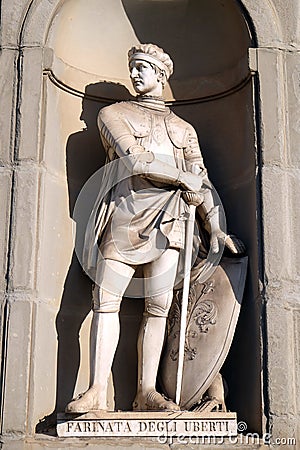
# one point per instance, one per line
(141, 222)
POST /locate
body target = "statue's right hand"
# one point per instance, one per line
(191, 181)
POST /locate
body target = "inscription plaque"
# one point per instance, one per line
(146, 424)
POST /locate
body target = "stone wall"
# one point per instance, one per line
(34, 188)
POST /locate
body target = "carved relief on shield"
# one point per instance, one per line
(213, 312)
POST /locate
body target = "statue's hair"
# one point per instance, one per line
(156, 53)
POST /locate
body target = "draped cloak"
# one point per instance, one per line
(134, 218)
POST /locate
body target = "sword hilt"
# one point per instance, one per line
(193, 198)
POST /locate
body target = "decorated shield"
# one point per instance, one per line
(213, 311)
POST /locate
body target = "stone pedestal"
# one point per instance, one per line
(146, 424)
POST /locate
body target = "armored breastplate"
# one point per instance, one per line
(158, 140)
(145, 121)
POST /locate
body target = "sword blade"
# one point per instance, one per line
(185, 298)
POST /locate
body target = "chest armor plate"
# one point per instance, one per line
(144, 122)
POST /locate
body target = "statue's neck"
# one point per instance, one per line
(151, 102)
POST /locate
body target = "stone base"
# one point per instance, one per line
(146, 424)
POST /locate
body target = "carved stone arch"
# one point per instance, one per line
(265, 20)
(40, 13)
(37, 22)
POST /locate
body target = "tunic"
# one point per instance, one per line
(138, 218)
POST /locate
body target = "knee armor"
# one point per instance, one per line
(104, 301)
(159, 305)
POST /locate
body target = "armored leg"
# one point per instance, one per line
(159, 282)
(104, 333)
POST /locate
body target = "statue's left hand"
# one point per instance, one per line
(234, 244)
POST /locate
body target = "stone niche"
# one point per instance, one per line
(88, 44)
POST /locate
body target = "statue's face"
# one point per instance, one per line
(144, 78)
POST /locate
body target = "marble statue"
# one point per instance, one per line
(141, 222)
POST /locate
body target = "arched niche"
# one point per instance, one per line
(209, 43)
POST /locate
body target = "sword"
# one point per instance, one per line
(193, 199)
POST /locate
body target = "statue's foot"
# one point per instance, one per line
(153, 401)
(83, 403)
(211, 404)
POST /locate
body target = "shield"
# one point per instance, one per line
(213, 312)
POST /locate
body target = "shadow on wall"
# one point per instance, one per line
(84, 156)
